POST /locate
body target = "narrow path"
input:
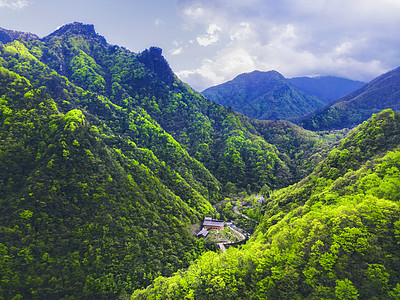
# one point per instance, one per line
(235, 209)
(222, 247)
(238, 233)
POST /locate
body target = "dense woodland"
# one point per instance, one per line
(334, 235)
(108, 159)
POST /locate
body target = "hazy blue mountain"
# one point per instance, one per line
(264, 96)
(326, 88)
(356, 107)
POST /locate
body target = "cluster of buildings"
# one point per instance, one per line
(210, 223)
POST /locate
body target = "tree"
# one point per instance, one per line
(345, 290)
(265, 190)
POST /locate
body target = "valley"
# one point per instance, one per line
(111, 165)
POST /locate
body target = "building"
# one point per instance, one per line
(209, 223)
(202, 233)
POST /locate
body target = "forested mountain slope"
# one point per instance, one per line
(356, 107)
(263, 96)
(107, 158)
(334, 235)
(134, 82)
(300, 149)
(222, 140)
(86, 213)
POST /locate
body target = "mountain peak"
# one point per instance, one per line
(261, 75)
(77, 28)
(154, 60)
(263, 95)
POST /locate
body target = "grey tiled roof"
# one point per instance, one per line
(213, 223)
(203, 232)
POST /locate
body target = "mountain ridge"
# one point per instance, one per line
(108, 158)
(381, 93)
(326, 88)
(7, 35)
(263, 95)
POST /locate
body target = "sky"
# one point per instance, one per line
(208, 42)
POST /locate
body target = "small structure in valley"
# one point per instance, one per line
(210, 223)
(202, 233)
(213, 224)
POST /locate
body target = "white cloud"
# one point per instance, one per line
(176, 51)
(211, 37)
(355, 39)
(159, 22)
(207, 40)
(14, 4)
(178, 47)
(228, 62)
(213, 28)
(194, 12)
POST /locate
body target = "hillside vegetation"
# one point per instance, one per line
(108, 158)
(334, 235)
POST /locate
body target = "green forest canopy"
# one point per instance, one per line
(107, 159)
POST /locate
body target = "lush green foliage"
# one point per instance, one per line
(107, 159)
(301, 150)
(80, 217)
(224, 142)
(334, 235)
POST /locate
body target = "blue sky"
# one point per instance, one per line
(208, 42)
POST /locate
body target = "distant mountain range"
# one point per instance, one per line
(263, 96)
(319, 103)
(326, 88)
(270, 96)
(356, 107)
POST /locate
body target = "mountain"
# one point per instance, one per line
(326, 88)
(333, 235)
(263, 96)
(356, 107)
(86, 212)
(108, 158)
